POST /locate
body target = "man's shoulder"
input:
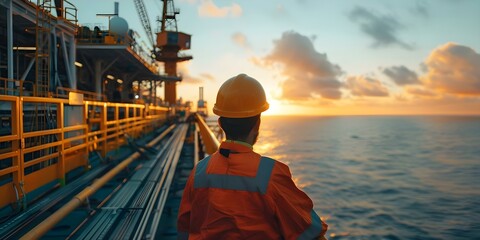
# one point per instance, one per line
(202, 164)
(278, 166)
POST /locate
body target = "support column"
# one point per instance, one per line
(127, 93)
(103, 129)
(73, 57)
(69, 65)
(60, 8)
(98, 71)
(98, 77)
(152, 100)
(171, 86)
(155, 102)
(56, 80)
(10, 44)
(126, 87)
(61, 158)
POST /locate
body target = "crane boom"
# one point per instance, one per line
(169, 19)
(142, 13)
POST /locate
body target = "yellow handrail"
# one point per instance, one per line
(100, 127)
(88, 95)
(209, 140)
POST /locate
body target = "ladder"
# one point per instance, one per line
(40, 114)
(43, 45)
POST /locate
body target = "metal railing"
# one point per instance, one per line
(210, 142)
(69, 10)
(15, 87)
(30, 159)
(104, 37)
(63, 92)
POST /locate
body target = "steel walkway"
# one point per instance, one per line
(140, 202)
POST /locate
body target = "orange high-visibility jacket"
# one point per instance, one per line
(245, 196)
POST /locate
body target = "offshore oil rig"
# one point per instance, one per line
(88, 150)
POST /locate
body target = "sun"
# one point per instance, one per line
(275, 108)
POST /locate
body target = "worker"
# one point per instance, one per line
(236, 193)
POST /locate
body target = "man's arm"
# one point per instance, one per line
(183, 221)
(293, 208)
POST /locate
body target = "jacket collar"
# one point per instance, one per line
(236, 146)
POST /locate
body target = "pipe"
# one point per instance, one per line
(156, 140)
(77, 201)
(116, 8)
(167, 179)
(175, 149)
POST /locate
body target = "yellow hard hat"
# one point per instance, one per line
(240, 97)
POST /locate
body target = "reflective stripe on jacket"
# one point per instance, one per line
(245, 196)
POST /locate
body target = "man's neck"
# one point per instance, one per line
(247, 144)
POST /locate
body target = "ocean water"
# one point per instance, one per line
(384, 177)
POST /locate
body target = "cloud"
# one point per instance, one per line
(453, 69)
(382, 29)
(187, 78)
(420, 91)
(309, 74)
(189, 1)
(420, 8)
(241, 40)
(401, 75)
(208, 8)
(280, 13)
(207, 76)
(280, 9)
(362, 86)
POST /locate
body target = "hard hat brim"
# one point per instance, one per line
(244, 114)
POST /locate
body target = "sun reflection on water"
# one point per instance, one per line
(267, 147)
(301, 183)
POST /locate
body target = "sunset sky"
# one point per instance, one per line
(318, 57)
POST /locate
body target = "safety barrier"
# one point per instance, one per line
(69, 11)
(86, 36)
(63, 92)
(43, 139)
(210, 142)
(16, 87)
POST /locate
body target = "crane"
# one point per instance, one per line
(169, 43)
(169, 19)
(145, 20)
